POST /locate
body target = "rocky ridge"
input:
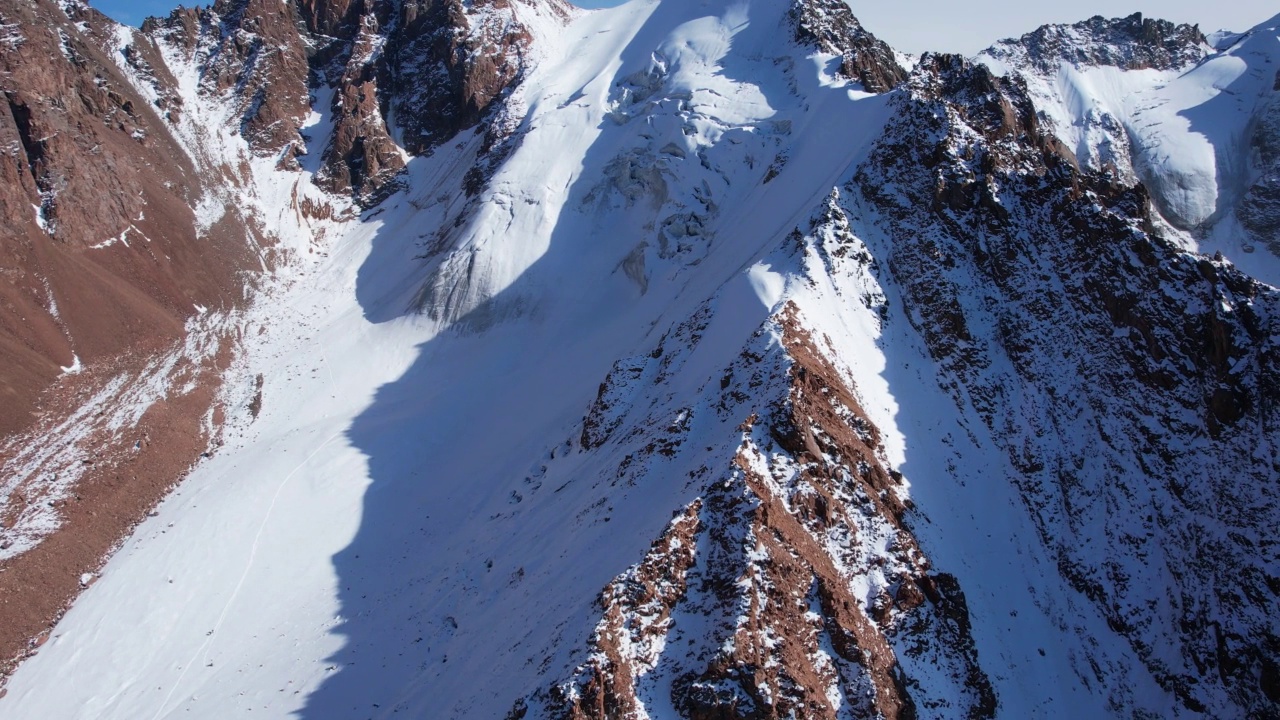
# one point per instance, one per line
(793, 586)
(1165, 365)
(1131, 43)
(829, 26)
(399, 79)
(1154, 389)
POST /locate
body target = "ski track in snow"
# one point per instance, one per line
(248, 565)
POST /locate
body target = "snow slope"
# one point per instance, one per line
(352, 525)
(1185, 131)
(419, 514)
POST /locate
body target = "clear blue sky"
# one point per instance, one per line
(919, 25)
(133, 12)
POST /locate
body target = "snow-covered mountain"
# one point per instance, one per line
(701, 360)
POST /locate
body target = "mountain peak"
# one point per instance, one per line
(830, 26)
(1130, 43)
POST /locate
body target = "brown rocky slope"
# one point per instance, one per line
(102, 251)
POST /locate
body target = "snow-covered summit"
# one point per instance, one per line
(1192, 122)
(1131, 43)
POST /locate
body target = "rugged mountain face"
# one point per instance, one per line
(1156, 388)
(1095, 83)
(860, 392)
(102, 252)
(418, 71)
(747, 605)
(252, 51)
(1131, 43)
(455, 60)
(242, 47)
(829, 25)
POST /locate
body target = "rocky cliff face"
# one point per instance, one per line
(114, 243)
(829, 25)
(1131, 43)
(1146, 372)
(103, 253)
(455, 60)
(252, 51)
(753, 603)
(398, 79)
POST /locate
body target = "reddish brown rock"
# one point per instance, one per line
(444, 67)
(361, 158)
(118, 487)
(745, 607)
(104, 262)
(330, 17)
(92, 166)
(253, 51)
(447, 80)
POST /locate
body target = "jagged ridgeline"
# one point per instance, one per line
(400, 78)
(704, 360)
(108, 128)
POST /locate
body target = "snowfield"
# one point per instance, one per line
(1184, 132)
(406, 524)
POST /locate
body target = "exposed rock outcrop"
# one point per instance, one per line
(454, 60)
(101, 248)
(793, 587)
(829, 25)
(1144, 372)
(360, 157)
(410, 76)
(403, 77)
(1130, 43)
(252, 50)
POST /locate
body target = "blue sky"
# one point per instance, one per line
(919, 25)
(133, 12)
